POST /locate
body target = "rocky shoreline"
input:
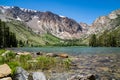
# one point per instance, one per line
(82, 67)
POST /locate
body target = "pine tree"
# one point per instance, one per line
(7, 35)
(93, 41)
(1, 38)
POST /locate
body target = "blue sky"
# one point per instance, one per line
(80, 10)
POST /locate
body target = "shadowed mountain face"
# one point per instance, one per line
(44, 22)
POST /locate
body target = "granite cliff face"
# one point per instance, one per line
(44, 22)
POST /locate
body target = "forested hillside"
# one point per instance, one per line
(7, 38)
(108, 38)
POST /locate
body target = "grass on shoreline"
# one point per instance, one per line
(28, 62)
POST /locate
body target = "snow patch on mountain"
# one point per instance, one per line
(18, 18)
(6, 7)
(62, 16)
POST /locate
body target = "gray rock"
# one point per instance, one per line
(38, 76)
(21, 74)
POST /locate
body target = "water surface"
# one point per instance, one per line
(72, 50)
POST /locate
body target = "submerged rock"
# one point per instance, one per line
(59, 76)
(38, 76)
(4, 70)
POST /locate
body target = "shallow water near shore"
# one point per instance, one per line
(102, 62)
(71, 50)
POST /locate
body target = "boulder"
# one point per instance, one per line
(7, 78)
(4, 70)
(21, 74)
(38, 76)
(63, 55)
(51, 55)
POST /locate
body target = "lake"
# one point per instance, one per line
(72, 50)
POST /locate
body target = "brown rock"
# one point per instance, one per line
(63, 55)
(4, 70)
(7, 78)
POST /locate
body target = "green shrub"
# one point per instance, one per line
(23, 61)
(2, 51)
(46, 62)
(10, 56)
(2, 60)
(67, 63)
(13, 66)
(24, 58)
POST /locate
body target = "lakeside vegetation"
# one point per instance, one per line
(31, 63)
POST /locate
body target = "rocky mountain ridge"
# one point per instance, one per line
(44, 22)
(59, 26)
(102, 23)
